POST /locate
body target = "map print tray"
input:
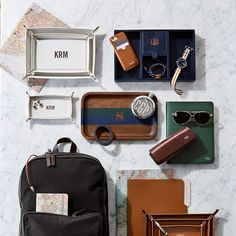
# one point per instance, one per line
(114, 110)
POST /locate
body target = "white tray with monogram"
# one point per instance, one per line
(50, 107)
(60, 53)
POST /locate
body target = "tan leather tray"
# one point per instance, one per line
(113, 109)
(182, 224)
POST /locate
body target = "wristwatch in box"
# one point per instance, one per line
(181, 64)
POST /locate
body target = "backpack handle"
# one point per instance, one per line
(73, 147)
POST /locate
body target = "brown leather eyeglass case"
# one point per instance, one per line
(166, 149)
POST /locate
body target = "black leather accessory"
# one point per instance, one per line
(103, 129)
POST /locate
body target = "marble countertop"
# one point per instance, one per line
(213, 186)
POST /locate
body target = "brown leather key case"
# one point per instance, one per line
(124, 51)
(166, 149)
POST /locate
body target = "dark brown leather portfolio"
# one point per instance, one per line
(166, 149)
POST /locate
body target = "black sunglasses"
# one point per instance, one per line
(199, 117)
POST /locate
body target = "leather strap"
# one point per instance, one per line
(174, 81)
(73, 147)
(104, 142)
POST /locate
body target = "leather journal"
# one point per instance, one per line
(153, 195)
(202, 149)
(169, 147)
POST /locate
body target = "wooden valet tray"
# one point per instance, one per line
(113, 109)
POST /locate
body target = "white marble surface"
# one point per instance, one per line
(213, 186)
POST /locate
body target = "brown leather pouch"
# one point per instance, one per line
(166, 149)
(124, 51)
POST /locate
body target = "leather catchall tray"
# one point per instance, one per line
(158, 46)
(60, 53)
(181, 224)
(50, 107)
(113, 109)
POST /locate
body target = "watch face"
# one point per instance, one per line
(181, 63)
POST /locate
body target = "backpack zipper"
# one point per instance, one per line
(50, 158)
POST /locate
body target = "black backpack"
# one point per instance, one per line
(79, 175)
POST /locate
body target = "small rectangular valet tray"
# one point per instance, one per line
(113, 109)
(162, 46)
(181, 224)
(60, 53)
(50, 107)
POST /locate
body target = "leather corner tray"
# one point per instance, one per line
(50, 107)
(201, 224)
(153, 195)
(113, 109)
(60, 53)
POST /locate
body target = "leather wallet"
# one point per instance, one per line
(166, 149)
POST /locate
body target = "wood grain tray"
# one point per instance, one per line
(113, 109)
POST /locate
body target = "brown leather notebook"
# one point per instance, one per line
(152, 195)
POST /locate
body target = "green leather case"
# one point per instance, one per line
(201, 151)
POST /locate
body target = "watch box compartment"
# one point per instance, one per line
(154, 42)
(158, 46)
(178, 40)
(50, 107)
(60, 53)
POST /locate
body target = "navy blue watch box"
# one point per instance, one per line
(158, 46)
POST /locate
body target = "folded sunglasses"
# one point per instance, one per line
(199, 117)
